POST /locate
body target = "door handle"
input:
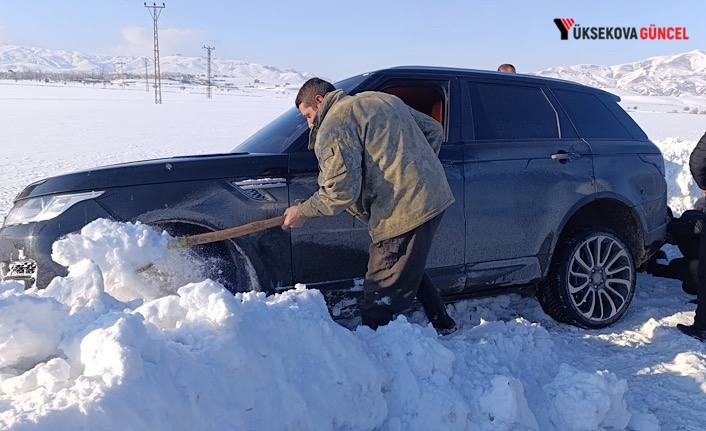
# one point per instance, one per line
(564, 157)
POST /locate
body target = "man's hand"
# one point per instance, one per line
(293, 218)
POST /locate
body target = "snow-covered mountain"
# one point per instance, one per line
(20, 59)
(669, 75)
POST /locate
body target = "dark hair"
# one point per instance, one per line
(312, 88)
(506, 67)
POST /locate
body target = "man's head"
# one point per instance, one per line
(506, 68)
(310, 97)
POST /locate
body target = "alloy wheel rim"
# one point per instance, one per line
(600, 278)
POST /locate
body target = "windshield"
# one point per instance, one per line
(289, 131)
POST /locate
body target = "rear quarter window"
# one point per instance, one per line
(592, 116)
(502, 112)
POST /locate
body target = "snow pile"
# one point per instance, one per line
(200, 359)
(681, 189)
(76, 356)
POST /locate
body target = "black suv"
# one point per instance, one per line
(556, 188)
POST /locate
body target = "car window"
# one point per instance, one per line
(289, 131)
(427, 96)
(590, 116)
(424, 99)
(277, 135)
(502, 111)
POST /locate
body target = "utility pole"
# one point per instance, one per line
(103, 69)
(155, 11)
(147, 74)
(208, 68)
(122, 74)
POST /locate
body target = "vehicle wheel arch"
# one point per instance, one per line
(241, 269)
(613, 213)
(606, 217)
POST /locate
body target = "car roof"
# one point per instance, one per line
(518, 77)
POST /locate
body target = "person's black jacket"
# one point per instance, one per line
(697, 163)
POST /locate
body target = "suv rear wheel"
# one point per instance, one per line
(591, 281)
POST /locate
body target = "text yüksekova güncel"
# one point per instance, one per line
(645, 33)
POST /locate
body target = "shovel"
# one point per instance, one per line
(220, 235)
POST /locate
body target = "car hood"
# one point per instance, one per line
(168, 170)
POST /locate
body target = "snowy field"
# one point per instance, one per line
(83, 355)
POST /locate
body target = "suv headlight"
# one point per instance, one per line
(45, 207)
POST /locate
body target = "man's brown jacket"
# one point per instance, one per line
(378, 159)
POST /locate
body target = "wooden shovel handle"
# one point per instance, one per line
(220, 235)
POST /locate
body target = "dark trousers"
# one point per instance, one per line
(685, 269)
(396, 275)
(700, 317)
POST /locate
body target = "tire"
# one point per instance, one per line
(228, 265)
(222, 261)
(591, 280)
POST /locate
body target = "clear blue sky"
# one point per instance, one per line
(335, 39)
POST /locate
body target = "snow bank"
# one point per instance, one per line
(78, 357)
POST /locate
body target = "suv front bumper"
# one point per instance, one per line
(25, 255)
(23, 270)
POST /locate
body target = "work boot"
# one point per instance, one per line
(652, 263)
(689, 288)
(434, 307)
(693, 331)
(444, 324)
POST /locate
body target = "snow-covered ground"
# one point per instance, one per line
(89, 353)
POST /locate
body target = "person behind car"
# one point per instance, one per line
(685, 233)
(697, 165)
(378, 159)
(506, 67)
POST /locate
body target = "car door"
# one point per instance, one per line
(435, 95)
(328, 253)
(525, 170)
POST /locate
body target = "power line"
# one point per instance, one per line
(209, 95)
(155, 11)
